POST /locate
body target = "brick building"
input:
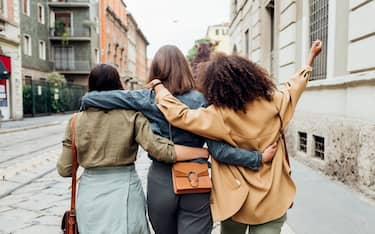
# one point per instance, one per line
(113, 34)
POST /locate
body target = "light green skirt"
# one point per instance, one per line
(111, 201)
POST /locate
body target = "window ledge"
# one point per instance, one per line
(345, 80)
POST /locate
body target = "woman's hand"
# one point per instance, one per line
(315, 49)
(269, 153)
(152, 83)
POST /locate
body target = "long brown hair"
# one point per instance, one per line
(233, 81)
(171, 67)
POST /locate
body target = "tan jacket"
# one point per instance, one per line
(111, 138)
(251, 197)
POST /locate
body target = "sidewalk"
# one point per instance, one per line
(327, 207)
(32, 122)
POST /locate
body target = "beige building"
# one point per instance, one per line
(334, 123)
(219, 37)
(10, 59)
(132, 45)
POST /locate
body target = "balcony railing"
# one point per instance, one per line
(69, 33)
(69, 3)
(72, 66)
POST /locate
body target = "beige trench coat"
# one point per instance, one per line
(251, 197)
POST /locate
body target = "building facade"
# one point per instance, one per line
(334, 121)
(132, 46)
(74, 37)
(113, 34)
(36, 57)
(141, 60)
(218, 35)
(10, 61)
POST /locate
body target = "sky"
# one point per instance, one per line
(177, 22)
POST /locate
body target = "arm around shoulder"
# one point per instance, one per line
(159, 147)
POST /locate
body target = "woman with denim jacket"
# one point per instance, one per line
(170, 213)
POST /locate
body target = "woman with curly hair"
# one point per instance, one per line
(246, 110)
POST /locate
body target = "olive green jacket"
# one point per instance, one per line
(111, 138)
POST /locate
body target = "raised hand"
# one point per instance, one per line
(316, 48)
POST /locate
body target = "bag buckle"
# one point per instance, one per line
(193, 178)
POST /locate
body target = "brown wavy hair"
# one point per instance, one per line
(104, 77)
(171, 67)
(233, 81)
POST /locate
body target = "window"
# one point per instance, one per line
(319, 30)
(27, 45)
(41, 13)
(97, 58)
(3, 8)
(26, 7)
(42, 50)
(63, 23)
(64, 58)
(302, 137)
(247, 41)
(217, 31)
(319, 147)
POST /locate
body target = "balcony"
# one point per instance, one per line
(72, 66)
(69, 3)
(69, 34)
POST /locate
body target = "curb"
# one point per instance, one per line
(10, 130)
(10, 191)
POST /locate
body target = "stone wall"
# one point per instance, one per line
(349, 149)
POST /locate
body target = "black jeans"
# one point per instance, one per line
(175, 214)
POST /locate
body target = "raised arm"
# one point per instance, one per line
(292, 90)
(116, 99)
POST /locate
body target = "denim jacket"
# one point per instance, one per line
(144, 101)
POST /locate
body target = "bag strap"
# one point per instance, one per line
(283, 139)
(74, 166)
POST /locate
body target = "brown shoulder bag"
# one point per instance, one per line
(190, 177)
(69, 221)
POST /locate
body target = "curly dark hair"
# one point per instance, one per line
(233, 81)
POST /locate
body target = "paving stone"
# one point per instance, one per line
(7, 185)
(15, 219)
(52, 220)
(12, 199)
(39, 229)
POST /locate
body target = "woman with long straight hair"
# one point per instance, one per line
(170, 213)
(245, 110)
(110, 198)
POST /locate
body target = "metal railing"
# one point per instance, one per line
(72, 65)
(43, 98)
(62, 1)
(69, 32)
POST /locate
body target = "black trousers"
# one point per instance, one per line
(175, 214)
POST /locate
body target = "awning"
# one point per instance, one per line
(4, 73)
